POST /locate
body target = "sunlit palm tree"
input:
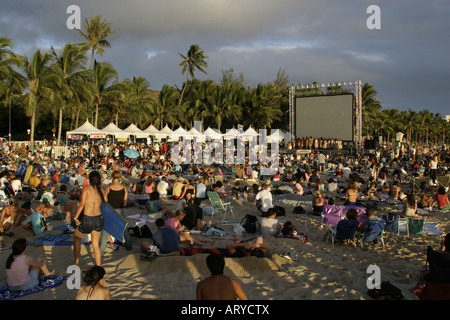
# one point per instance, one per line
(194, 60)
(42, 82)
(104, 78)
(95, 33)
(165, 109)
(69, 66)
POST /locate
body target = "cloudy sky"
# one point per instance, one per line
(407, 60)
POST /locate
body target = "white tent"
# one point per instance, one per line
(250, 132)
(231, 133)
(135, 131)
(164, 132)
(180, 132)
(214, 134)
(115, 131)
(151, 130)
(195, 133)
(87, 129)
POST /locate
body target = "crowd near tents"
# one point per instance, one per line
(87, 130)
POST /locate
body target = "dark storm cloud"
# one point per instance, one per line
(323, 41)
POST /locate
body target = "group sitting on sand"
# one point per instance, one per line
(78, 186)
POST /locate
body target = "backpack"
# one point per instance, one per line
(280, 211)
(387, 291)
(141, 232)
(299, 210)
(250, 223)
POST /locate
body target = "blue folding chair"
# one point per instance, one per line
(373, 231)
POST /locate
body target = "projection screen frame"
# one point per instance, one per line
(355, 87)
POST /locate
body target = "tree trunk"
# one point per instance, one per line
(33, 117)
(96, 115)
(58, 140)
(184, 88)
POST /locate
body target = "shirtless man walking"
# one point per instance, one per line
(218, 286)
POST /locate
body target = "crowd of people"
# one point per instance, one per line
(94, 174)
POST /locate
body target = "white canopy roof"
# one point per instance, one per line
(113, 130)
(135, 131)
(213, 133)
(165, 132)
(87, 129)
(250, 132)
(151, 130)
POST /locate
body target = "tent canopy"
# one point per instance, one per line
(135, 131)
(113, 130)
(87, 129)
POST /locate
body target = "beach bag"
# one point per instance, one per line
(280, 211)
(141, 232)
(387, 291)
(391, 222)
(299, 210)
(250, 223)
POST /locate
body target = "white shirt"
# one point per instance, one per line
(266, 200)
(200, 191)
(162, 188)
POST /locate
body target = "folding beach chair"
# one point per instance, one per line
(373, 231)
(436, 276)
(444, 181)
(218, 205)
(331, 215)
(420, 187)
(414, 225)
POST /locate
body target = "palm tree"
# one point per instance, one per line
(410, 122)
(195, 59)
(199, 101)
(137, 101)
(95, 34)
(225, 105)
(41, 85)
(69, 66)
(165, 109)
(12, 83)
(371, 106)
(104, 76)
(263, 106)
(426, 118)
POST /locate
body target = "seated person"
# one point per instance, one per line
(318, 202)
(70, 208)
(426, 201)
(351, 195)
(347, 228)
(22, 271)
(410, 206)
(269, 225)
(288, 230)
(155, 208)
(175, 223)
(165, 238)
(194, 216)
(240, 249)
(442, 200)
(312, 181)
(394, 191)
(298, 189)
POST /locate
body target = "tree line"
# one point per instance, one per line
(60, 89)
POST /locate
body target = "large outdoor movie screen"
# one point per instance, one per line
(324, 117)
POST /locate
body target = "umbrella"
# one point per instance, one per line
(131, 153)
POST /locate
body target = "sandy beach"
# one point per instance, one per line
(315, 271)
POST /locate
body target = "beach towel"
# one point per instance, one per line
(44, 283)
(428, 227)
(49, 239)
